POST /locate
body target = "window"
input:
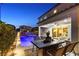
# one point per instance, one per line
(60, 32)
(41, 19)
(45, 17)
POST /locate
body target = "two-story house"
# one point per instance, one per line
(62, 22)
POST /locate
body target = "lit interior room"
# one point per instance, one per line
(60, 30)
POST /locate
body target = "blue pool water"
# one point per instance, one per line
(26, 40)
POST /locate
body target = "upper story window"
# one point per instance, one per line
(45, 17)
(41, 19)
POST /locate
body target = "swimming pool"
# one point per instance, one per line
(26, 40)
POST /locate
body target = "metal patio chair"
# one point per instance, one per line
(70, 48)
(63, 51)
(57, 52)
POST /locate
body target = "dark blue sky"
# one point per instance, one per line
(0, 11)
(23, 14)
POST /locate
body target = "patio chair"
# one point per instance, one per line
(70, 48)
(57, 52)
(63, 50)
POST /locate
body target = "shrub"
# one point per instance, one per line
(7, 36)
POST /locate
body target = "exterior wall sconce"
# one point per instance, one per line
(55, 11)
(55, 24)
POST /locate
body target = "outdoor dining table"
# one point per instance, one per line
(42, 47)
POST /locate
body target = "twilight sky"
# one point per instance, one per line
(0, 11)
(23, 13)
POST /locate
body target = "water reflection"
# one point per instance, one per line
(27, 38)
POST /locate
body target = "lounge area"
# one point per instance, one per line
(62, 48)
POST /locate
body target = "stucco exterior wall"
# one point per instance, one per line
(69, 13)
(74, 14)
